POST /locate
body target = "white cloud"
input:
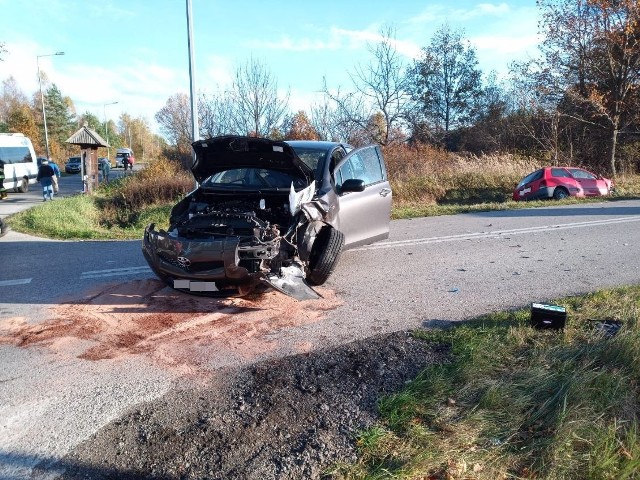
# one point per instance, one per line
(20, 62)
(431, 14)
(338, 38)
(505, 44)
(485, 9)
(218, 74)
(441, 13)
(107, 10)
(139, 87)
(303, 100)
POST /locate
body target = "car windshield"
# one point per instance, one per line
(313, 157)
(74, 160)
(253, 178)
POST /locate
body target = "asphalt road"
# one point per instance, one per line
(53, 394)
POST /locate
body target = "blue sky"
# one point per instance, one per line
(135, 51)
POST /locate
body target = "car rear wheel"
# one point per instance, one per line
(324, 255)
(24, 186)
(559, 193)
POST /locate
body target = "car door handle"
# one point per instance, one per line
(384, 192)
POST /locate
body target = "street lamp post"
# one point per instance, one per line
(44, 114)
(106, 128)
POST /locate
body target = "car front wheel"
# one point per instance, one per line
(324, 255)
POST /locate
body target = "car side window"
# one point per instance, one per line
(560, 172)
(577, 173)
(364, 165)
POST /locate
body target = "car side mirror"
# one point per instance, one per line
(352, 185)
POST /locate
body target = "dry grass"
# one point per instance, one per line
(162, 182)
(426, 175)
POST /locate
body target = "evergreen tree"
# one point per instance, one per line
(92, 121)
(60, 116)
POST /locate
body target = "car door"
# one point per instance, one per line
(587, 181)
(363, 217)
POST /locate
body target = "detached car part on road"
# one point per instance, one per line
(270, 213)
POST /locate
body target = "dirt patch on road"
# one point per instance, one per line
(178, 330)
(290, 418)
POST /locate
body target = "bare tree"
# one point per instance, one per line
(592, 58)
(257, 106)
(381, 86)
(11, 97)
(216, 115)
(175, 123)
(175, 119)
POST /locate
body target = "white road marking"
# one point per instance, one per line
(8, 283)
(497, 233)
(114, 272)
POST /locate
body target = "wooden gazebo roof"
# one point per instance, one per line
(86, 137)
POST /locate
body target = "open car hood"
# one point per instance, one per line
(226, 152)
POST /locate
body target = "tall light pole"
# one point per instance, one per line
(106, 128)
(195, 132)
(44, 114)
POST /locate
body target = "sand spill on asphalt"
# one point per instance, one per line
(178, 330)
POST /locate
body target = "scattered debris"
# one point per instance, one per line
(546, 316)
(608, 327)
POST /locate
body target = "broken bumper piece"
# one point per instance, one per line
(291, 282)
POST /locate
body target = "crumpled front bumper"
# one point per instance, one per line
(201, 259)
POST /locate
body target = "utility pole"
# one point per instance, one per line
(44, 113)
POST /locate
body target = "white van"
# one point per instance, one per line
(19, 161)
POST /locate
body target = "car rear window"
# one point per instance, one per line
(532, 177)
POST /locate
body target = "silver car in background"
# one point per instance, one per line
(270, 214)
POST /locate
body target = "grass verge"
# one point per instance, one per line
(118, 210)
(80, 218)
(518, 403)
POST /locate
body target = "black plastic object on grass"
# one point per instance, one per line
(548, 316)
(607, 327)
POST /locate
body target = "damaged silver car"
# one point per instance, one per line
(270, 214)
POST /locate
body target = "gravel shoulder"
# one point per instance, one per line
(288, 418)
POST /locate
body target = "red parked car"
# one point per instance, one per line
(561, 182)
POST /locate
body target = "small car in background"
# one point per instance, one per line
(72, 165)
(123, 153)
(270, 214)
(562, 182)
